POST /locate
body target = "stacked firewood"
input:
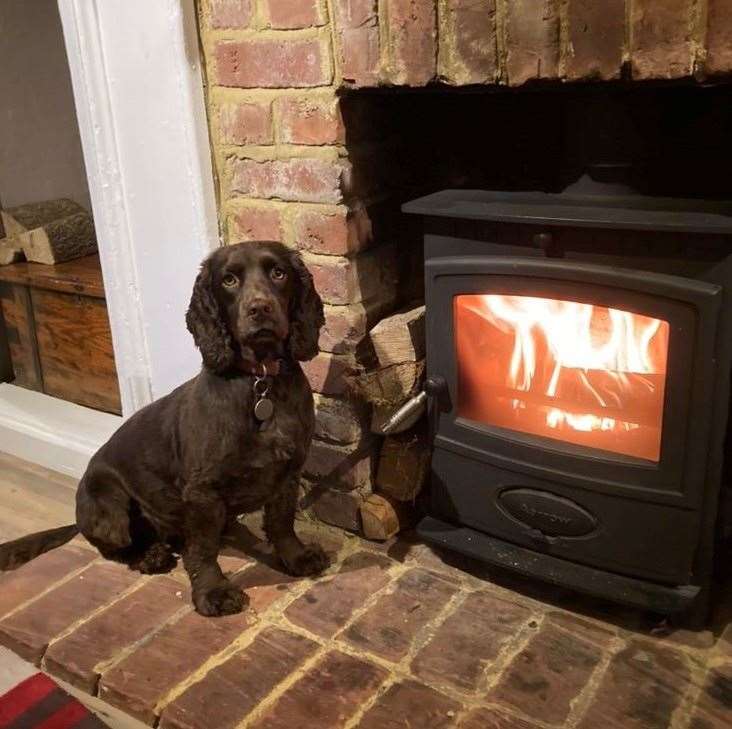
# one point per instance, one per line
(399, 345)
(46, 232)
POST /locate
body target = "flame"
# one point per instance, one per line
(578, 367)
(578, 338)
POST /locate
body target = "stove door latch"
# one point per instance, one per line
(435, 388)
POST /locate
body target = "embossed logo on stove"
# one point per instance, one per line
(550, 514)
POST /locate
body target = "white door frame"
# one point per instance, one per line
(138, 87)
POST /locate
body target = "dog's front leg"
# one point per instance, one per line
(279, 524)
(204, 522)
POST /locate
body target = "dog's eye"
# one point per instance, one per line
(229, 280)
(278, 274)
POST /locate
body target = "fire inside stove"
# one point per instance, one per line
(566, 370)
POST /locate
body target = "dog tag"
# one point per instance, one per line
(263, 409)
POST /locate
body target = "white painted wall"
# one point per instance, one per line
(40, 149)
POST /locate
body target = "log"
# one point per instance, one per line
(10, 251)
(388, 387)
(60, 240)
(400, 337)
(382, 518)
(35, 215)
(404, 463)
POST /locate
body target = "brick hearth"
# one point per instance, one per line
(391, 633)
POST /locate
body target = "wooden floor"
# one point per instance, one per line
(32, 498)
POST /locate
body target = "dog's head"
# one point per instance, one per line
(251, 302)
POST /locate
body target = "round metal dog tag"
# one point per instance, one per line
(263, 409)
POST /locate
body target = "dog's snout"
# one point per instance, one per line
(259, 308)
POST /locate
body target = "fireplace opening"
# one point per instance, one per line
(566, 370)
(577, 319)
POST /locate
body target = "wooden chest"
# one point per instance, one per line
(54, 332)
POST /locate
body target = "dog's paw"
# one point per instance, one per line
(224, 599)
(311, 560)
(158, 559)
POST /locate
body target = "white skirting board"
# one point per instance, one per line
(53, 433)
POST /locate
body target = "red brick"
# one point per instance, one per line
(596, 39)
(305, 120)
(532, 40)
(369, 276)
(339, 420)
(271, 63)
(263, 584)
(714, 705)
(468, 54)
(327, 605)
(337, 279)
(641, 688)
(291, 14)
(410, 704)
(391, 625)
(359, 50)
(345, 467)
(137, 683)
(494, 719)
(344, 328)
(231, 13)
(246, 123)
(325, 372)
(468, 641)
(358, 36)
(545, 678)
(29, 631)
(601, 634)
(339, 508)
(719, 36)
(303, 180)
(255, 224)
(661, 39)
(326, 696)
(228, 693)
(31, 579)
(332, 233)
(412, 38)
(75, 658)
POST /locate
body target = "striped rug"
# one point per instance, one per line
(39, 703)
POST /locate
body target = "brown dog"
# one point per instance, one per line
(180, 470)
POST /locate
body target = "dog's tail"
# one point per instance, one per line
(19, 551)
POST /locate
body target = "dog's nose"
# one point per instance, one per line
(259, 307)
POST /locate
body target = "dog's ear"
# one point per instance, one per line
(306, 313)
(206, 323)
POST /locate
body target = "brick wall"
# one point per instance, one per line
(297, 163)
(510, 42)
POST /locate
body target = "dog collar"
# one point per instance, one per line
(266, 368)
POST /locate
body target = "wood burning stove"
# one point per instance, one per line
(584, 345)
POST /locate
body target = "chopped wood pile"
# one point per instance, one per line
(48, 232)
(399, 344)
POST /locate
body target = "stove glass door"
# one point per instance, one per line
(566, 370)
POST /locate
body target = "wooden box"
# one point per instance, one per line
(56, 336)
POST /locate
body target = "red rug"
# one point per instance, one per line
(39, 703)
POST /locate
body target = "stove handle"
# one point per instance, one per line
(538, 536)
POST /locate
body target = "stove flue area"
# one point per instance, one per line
(584, 339)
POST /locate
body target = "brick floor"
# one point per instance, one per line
(392, 636)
